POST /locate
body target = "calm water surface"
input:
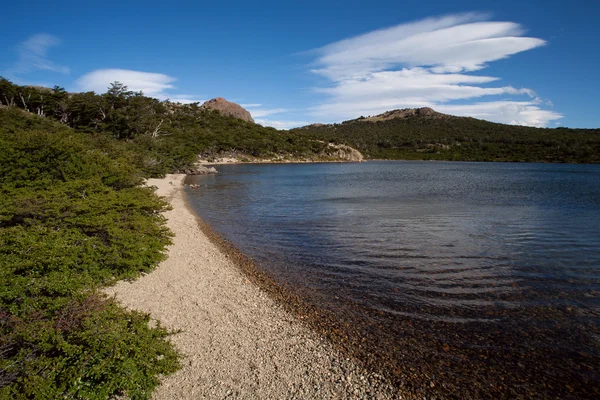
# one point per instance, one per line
(464, 268)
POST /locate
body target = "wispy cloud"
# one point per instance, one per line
(259, 113)
(427, 63)
(507, 112)
(263, 112)
(152, 84)
(185, 99)
(33, 56)
(280, 124)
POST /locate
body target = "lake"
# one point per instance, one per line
(457, 279)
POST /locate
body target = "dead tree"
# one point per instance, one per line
(40, 109)
(154, 134)
(65, 115)
(10, 102)
(24, 102)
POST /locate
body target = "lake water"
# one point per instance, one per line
(461, 279)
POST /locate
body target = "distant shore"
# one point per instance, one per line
(236, 340)
(267, 161)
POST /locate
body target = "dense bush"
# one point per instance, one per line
(73, 217)
(88, 349)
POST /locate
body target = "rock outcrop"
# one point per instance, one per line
(345, 153)
(404, 113)
(227, 108)
(424, 112)
(198, 170)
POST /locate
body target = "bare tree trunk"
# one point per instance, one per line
(24, 103)
(64, 112)
(40, 110)
(10, 102)
(156, 131)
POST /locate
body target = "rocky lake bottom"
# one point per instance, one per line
(456, 280)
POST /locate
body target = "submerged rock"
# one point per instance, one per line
(199, 170)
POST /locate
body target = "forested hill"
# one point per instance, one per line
(423, 134)
(74, 217)
(165, 137)
(168, 137)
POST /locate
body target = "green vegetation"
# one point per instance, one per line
(73, 218)
(162, 136)
(166, 137)
(460, 139)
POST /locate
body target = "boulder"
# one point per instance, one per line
(227, 108)
(199, 170)
(345, 153)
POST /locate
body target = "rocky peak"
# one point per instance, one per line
(404, 113)
(227, 108)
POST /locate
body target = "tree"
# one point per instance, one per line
(118, 89)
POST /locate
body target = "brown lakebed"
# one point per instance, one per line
(495, 301)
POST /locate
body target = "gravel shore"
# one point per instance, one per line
(237, 341)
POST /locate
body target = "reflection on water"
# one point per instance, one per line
(501, 256)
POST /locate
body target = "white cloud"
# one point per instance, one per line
(263, 112)
(258, 113)
(454, 43)
(151, 83)
(281, 124)
(425, 63)
(418, 83)
(33, 56)
(184, 99)
(506, 112)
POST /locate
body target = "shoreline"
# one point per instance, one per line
(207, 163)
(425, 357)
(236, 339)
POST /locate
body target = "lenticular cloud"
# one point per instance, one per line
(151, 83)
(427, 63)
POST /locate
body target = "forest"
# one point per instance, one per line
(445, 137)
(164, 137)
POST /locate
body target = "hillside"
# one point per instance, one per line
(165, 137)
(76, 218)
(423, 134)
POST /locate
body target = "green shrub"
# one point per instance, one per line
(90, 348)
(73, 217)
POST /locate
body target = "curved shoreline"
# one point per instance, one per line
(236, 341)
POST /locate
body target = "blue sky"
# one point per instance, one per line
(294, 63)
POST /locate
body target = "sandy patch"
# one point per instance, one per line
(237, 342)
